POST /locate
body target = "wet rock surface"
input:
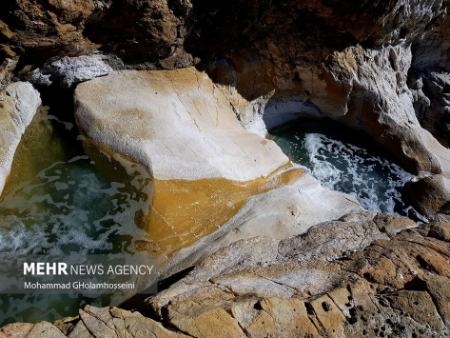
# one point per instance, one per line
(19, 103)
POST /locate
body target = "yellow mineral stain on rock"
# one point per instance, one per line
(184, 211)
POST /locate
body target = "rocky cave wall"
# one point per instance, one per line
(377, 66)
(178, 33)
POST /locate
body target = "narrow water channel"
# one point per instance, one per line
(59, 202)
(345, 160)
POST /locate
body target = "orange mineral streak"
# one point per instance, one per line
(184, 211)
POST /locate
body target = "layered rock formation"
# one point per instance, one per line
(177, 124)
(313, 284)
(378, 279)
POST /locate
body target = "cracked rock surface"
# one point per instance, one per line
(367, 274)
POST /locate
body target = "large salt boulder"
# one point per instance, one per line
(18, 105)
(177, 124)
(213, 181)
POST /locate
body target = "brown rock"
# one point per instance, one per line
(395, 263)
(332, 240)
(39, 30)
(419, 305)
(438, 287)
(393, 224)
(16, 330)
(430, 195)
(379, 298)
(45, 330)
(146, 327)
(66, 325)
(276, 317)
(215, 323)
(440, 230)
(80, 331)
(329, 315)
(97, 326)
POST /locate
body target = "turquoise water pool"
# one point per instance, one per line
(345, 160)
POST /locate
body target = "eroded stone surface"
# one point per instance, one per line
(69, 71)
(392, 286)
(177, 124)
(396, 283)
(432, 102)
(326, 242)
(395, 286)
(430, 195)
(206, 170)
(382, 105)
(363, 88)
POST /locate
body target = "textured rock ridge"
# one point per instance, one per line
(385, 277)
(376, 280)
(380, 103)
(365, 89)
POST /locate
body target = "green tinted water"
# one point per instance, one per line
(59, 202)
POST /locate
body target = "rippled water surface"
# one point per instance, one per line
(60, 202)
(343, 160)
